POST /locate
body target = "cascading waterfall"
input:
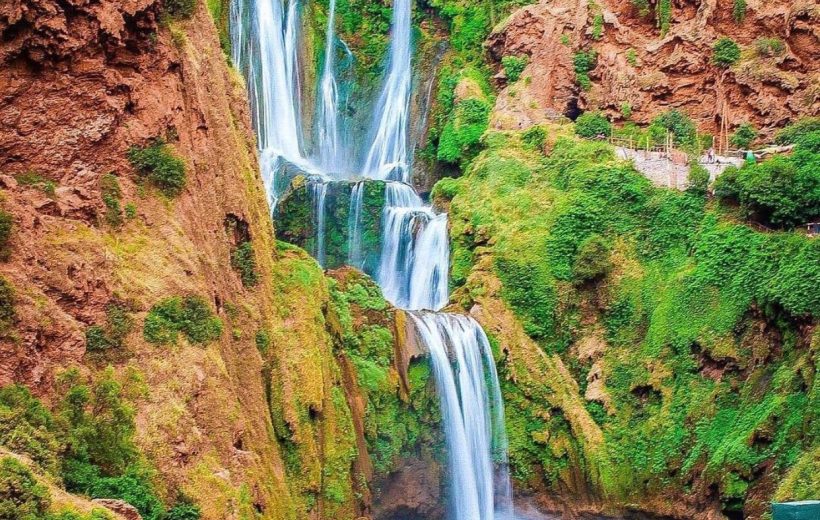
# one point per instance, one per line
(415, 253)
(387, 157)
(328, 142)
(413, 268)
(472, 413)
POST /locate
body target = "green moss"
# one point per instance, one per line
(35, 180)
(514, 66)
(190, 315)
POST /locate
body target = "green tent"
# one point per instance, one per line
(803, 510)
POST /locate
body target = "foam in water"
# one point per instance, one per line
(387, 157)
(472, 415)
(329, 141)
(415, 251)
(318, 188)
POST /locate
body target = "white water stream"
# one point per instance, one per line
(414, 260)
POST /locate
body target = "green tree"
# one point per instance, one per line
(592, 124)
(743, 136)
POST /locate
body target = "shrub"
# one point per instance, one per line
(461, 137)
(583, 62)
(6, 227)
(626, 110)
(7, 312)
(698, 179)
(118, 324)
(535, 137)
(725, 52)
(664, 14)
(514, 66)
(598, 26)
(768, 47)
(263, 341)
(739, 10)
(111, 193)
(446, 189)
(781, 191)
(190, 316)
(743, 136)
(21, 496)
(28, 428)
(158, 163)
(592, 124)
(244, 262)
(632, 57)
(183, 512)
(180, 8)
(794, 131)
(130, 211)
(679, 124)
(592, 261)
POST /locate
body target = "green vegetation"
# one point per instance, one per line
(583, 63)
(725, 52)
(794, 132)
(664, 15)
(35, 180)
(7, 312)
(111, 194)
(783, 191)
(534, 137)
(86, 442)
(739, 10)
(460, 137)
(743, 136)
(592, 125)
(677, 123)
(21, 496)
(6, 227)
(769, 47)
(191, 316)
(180, 8)
(112, 335)
(632, 57)
(598, 26)
(626, 110)
(158, 163)
(244, 262)
(675, 291)
(514, 66)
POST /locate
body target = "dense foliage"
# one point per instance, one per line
(781, 192)
(514, 66)
(592, 124)
(6, 226)
(689, 307)
(743, 136)
(244, 262)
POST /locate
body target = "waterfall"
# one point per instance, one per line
(472, 413)
(355, 255)
(318, 189)
(415, 251)
(413, 267)
(328, 145)
(387, 157)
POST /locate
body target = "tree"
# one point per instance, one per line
(592, 124)
(743, 136)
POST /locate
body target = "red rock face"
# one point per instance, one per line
(671, 71)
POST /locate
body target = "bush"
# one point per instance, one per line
(535, 137)
(7, 312)
(583, 62)
(28, 428)
(664, 15)
(118, 324)
(598, 26)
(793, 132)
(514, 66)
(111, 193)
(592, 261)
(6, 226)
(768, 47)
(158, 163)
(725, 52)
(681, 127)
(180, 8)
(739, 10)
(743, 136)
(21, 496)
(263, 341)
(698, 179)
(190, 316)
(592, 124)
(183, 511)
(244, 262)
(446, 189)
(461, 137)
(782, 191)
